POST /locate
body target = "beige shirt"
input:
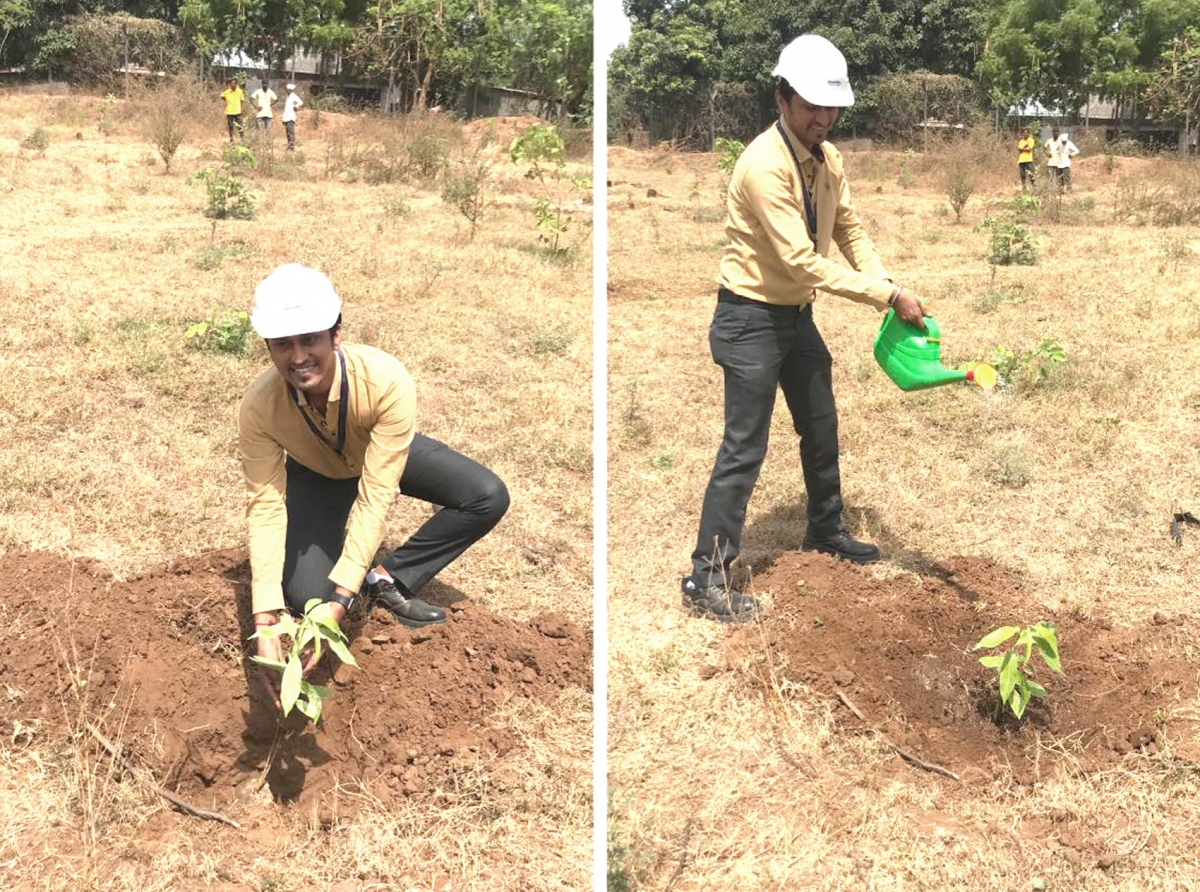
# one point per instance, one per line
(770, 256)
(380, 422)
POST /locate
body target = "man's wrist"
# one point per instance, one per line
(265, 619)
(896, 292)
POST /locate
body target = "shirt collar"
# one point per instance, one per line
(802, 152)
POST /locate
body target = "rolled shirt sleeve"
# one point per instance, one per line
(266, 511)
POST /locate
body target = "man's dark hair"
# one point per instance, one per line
(784, 89)
(336, 326)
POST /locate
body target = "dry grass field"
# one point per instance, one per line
(733, 768)
(120, 448)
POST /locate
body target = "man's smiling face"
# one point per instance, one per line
(307, 361)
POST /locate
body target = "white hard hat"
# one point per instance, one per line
(816, 69)
(294, 300)
(291, 86)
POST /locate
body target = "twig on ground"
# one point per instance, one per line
(262, 781)
(903, 754)
(149, 781)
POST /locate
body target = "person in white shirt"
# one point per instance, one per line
(291, 104)
(1066, 151)
(1050, 147)
(263, 98)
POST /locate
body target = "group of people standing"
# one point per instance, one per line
(263, 101)
(1058, 151)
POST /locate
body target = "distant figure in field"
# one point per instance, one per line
(1025, 147)
(291, 104)
(1052, 162)
(1066, 151)
(263, 98)
(233, 96)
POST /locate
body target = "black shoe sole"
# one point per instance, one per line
(842, 556)
(693, 609)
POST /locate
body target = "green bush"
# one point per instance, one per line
(228, 196)
(1011, 243)
(37, 141)
(464, 189)
(220, 332)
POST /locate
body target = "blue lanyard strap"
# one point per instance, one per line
(809, 211)
(343, 408)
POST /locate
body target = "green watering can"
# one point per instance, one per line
(913, 358)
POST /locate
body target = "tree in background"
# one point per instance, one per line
(1174, 89)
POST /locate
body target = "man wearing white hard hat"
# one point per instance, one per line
(291, 104)
(788, 203)
(327, 437)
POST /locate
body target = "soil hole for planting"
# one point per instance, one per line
(899, 650)
(159, 663)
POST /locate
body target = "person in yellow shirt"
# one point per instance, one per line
(327, 437)
(788, 203)
(1025, 149)
(233, 98)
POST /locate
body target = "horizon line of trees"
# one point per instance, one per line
(430, 51)
(690, 67)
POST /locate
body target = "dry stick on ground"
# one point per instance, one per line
(165, 794)
(903, 754)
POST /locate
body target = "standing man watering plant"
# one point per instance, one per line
(788, 202)
(327, 437)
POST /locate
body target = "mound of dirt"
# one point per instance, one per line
(898, 650)
(158, 663)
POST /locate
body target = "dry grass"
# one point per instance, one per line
(710, 789)
(123, 439)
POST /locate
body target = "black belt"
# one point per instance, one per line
(725, 296)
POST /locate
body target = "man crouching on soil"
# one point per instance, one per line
(327, 437)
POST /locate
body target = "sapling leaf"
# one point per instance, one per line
(289, 689)
(320, 691)
(1009, 673)
(263, 661)
(1019, 701)
(996, 638)
(343, 652)
(1036, 689)
(310, 708)
(992, 661)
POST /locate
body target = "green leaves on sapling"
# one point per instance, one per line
(1017, 686)
(317, 629)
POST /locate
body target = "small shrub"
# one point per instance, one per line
(37, 141)
(464, 190)
(106, 124)
(224, 332)
(1024, 205)
(429, 154)
(1028, 369)
(728, 152)
(167, 126)
(541, 148)
(1009, 467)
(554, 341)
(959, 186)
(1011, 243)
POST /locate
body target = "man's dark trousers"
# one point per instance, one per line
(763, 346)
(472, 501)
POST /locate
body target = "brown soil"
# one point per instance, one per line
(899, 650)
(165, 673)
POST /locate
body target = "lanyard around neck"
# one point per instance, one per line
(343, 408)
(809, 211)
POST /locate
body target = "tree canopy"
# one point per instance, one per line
(432, 49)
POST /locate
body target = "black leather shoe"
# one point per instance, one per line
(842, 546)
(718, 602)
(409, 611)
